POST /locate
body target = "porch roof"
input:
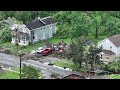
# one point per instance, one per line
(20, 33)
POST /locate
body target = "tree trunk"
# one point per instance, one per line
(92, 66)
(96, 36)
(80, 63)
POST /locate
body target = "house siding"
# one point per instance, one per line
(107, 44)
(39, 34)
(23, 28)
(118, 51)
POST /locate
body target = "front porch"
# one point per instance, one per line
(20, 38)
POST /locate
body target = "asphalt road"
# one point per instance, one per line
(47, 70)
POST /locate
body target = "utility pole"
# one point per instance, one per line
(20, 64)
(19, 54)
(16, 29)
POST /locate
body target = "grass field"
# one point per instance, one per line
(66, 63)
(114, 76)
(55, 40)
(9, 75)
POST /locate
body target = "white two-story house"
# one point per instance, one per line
(111, 44)
(38, 29)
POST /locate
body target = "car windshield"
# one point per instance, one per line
(46, 49)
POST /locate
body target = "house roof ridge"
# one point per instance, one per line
(42, 22)
(45, 18)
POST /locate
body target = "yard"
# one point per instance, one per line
(55, 40)
(14, 74)
(9, 75)
(29, 48)
(113, 76)
(67, 64)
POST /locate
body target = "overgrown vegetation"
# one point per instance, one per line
(80, 53)
(74, 23)
(112, 67)
(5, 33)
(29, 72)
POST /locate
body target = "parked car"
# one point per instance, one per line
(46, 51)
(40, 49)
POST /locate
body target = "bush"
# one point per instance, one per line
(7, 51)
(54, 75)
(29, 72)
(113, 67)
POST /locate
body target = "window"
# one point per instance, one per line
(33, 33)
(110, 47)
(101, 46)
(27, 38)
(33, 37)
(44, 28)
(41, 28)
(50, 26)
(23, 38)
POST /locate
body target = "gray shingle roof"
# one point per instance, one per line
(39, 23)
(34, 25)
(115, 40)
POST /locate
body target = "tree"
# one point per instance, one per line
(96, 22)
(29, 72)
(113, 67)
(76, 52)
(93, 57)
(5, 34)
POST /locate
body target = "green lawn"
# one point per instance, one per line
(9, 75)
(96, 39)
(41, 75)
(29, 48)
(114, 76)
(55, 40)
(66, 63)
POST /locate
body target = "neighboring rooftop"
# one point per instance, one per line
(115, 40)
(108, 52)
(37, 22)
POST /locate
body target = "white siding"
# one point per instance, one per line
(106, 43)
(24, 29)
(118, 51)
(13, 41)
